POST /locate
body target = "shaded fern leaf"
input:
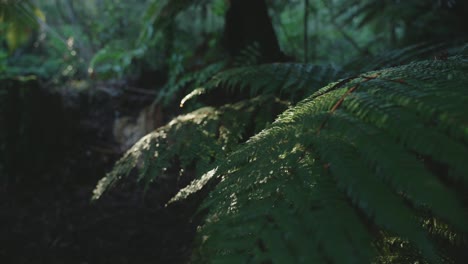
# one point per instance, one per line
(249, 56)
(379, 153)
(187, 146)
(398, 57)
(295, 81)
(291, 81)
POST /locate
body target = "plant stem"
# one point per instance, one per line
(306, 29)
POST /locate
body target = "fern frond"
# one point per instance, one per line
(295, 81)
(249, 56)
(398, 57)
(290, 81)
(190, 143)
(370, 155)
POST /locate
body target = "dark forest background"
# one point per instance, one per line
(82, 81)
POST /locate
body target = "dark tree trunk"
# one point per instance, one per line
(247, 22)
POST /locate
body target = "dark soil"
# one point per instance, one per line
(53, 163)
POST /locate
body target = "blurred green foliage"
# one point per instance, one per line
(120, 39)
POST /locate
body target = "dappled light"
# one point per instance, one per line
(233, 131)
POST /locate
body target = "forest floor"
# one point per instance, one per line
(48, 218)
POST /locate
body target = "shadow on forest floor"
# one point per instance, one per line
(45, 213)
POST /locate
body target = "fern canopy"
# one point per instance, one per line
(340, 177)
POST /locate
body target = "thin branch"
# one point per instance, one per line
(349, 38)
(306, 30)
(342, 31)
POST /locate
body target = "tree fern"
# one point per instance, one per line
(357, 165)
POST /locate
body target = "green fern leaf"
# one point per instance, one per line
(370, 155)
(291, 81)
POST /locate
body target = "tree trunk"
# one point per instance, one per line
(247, 23)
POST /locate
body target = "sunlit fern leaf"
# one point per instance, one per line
(191, 142)
(394, 250)
(452, 244)
(376, 153)
(189, 81)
